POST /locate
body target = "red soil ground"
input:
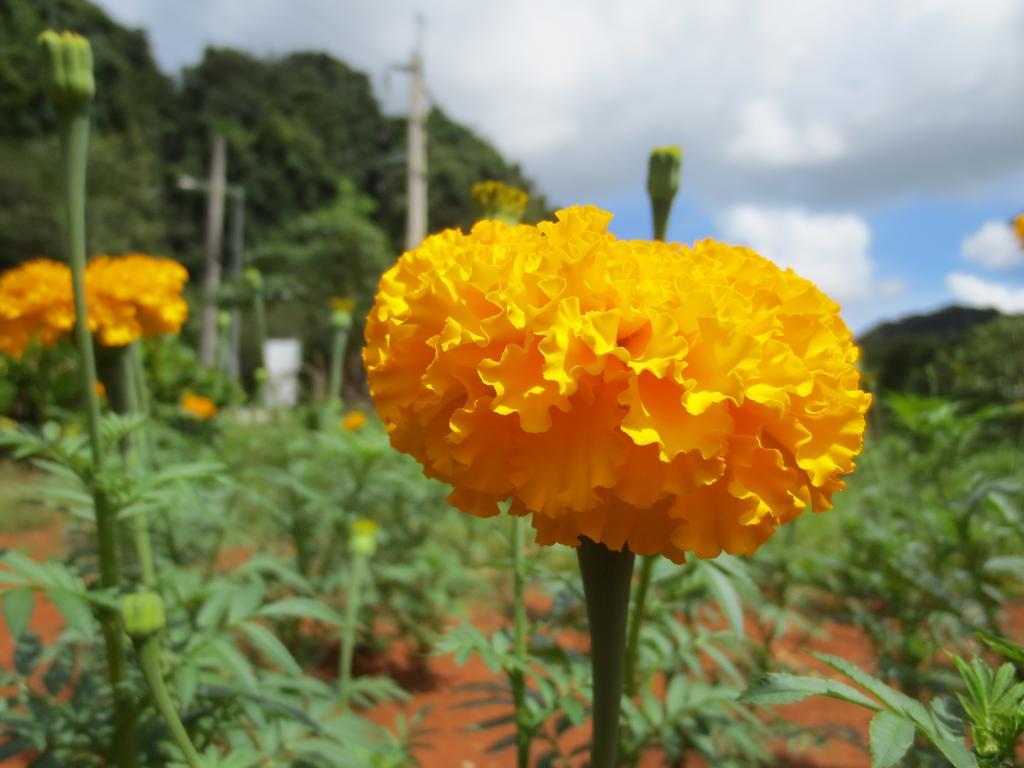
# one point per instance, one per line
(436, 684)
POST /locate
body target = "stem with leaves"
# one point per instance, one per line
(73, 120)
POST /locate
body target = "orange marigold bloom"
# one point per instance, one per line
(128, 297)
(133, 296)
(198, 406)
(35, 302)
(1018, 228)
(353, 421)
(670, 398)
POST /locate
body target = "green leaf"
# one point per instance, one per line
(18, 605)
(302, 608)
(781, 688)
(73, 607)
(266, 642)
(235, 662)
(726, 597)
(891, 737)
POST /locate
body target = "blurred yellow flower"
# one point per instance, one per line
(669, 398)
(35, 302)
(1018, 227)
(198, 406)
(340, 303)
(133, 296)
(500, 201)
(353, 421)
(101, 389)
(128, 297)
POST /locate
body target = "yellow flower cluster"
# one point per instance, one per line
(670, 398)
(498, 200)
(128, 297)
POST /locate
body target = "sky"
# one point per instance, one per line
(876, 147)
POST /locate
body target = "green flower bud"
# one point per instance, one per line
(364, 538)
(223, 320)
(341, 319)
(260, 374)
(663, 172)
(254, 277)
(67, 68)
(142, 614)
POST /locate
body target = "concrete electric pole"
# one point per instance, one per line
(416, 162)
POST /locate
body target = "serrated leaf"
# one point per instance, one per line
(73, 607)
(891, 737)
(266, 642)
(302, 608)
(18, 605)
(726, 597)
(781, 688)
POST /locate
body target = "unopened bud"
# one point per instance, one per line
(663, 172)
(142, 614)
(500, 201)
(254, 277)
(67, 68)
(364, 537)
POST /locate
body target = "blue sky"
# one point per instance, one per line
(875, 147)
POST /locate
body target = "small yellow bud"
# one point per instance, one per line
(67, 68)
(142, 614)
(364, 537)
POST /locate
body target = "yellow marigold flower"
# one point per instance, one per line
(500, 201)
(353, 421)
(35, 302)
(198, 406)
(669, 398)
(133, 296)
(128, 297)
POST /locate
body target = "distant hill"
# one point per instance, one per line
(296, 126)
(900, 355)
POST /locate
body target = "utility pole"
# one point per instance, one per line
(214, 237)
(416, 164)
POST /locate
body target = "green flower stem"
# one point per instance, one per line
(517, 677)
(335, 382)
(349, 629)
(606, 581)
(632, 684)
(660, 210)
(74, 138)
(259, 310)
(148, 650)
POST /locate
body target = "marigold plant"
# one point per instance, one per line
(128, 297)
(669, 398)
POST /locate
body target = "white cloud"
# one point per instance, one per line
(829, 249)
(994, 245)
(826, 104)
(976, 292)
(766, 136)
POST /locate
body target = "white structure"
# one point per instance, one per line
(284, 359)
